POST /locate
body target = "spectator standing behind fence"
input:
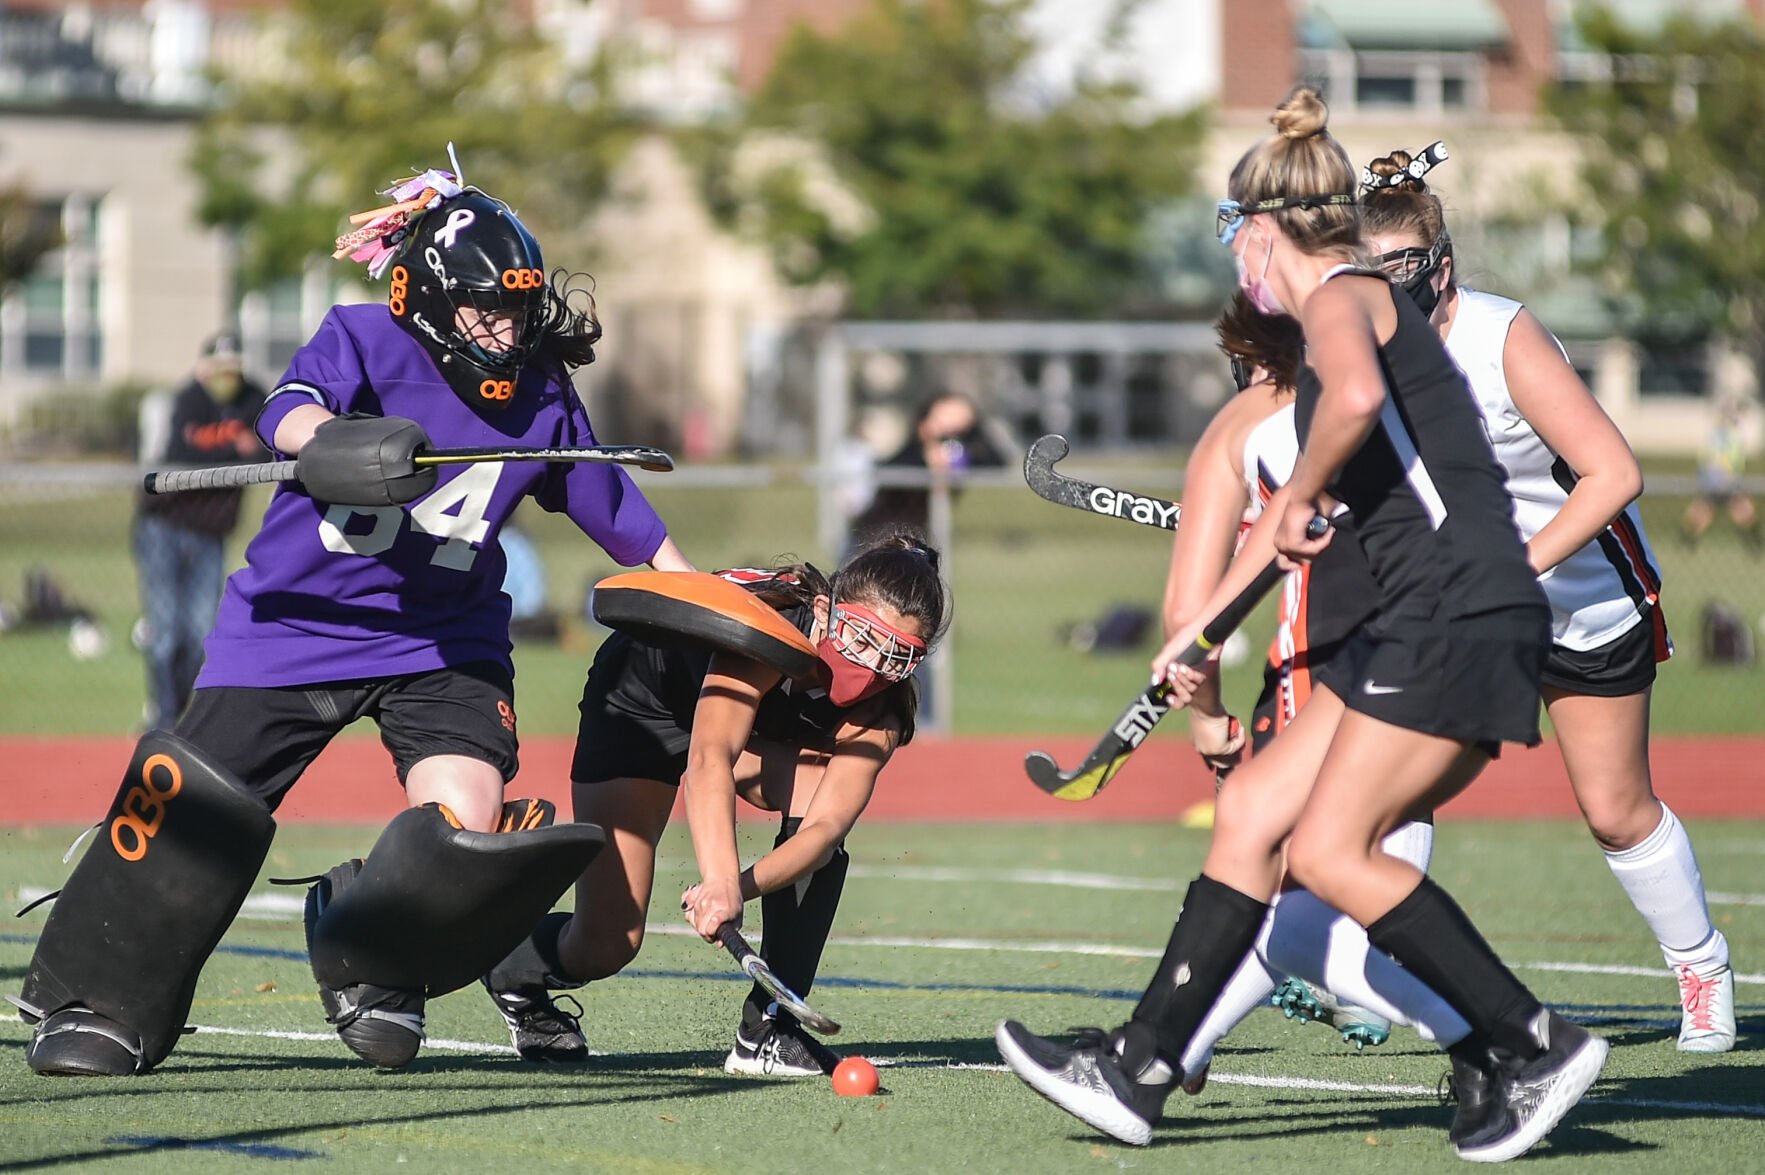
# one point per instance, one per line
(1721, 462)
(179, 540)
(948, 438)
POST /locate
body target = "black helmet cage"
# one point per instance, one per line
(470, 252)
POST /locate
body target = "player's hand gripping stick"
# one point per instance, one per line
(1152, 704)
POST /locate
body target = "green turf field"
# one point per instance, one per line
(1023, 570)
(945, 930)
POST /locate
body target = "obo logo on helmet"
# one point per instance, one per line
(470, 286)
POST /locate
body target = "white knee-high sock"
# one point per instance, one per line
(1323, 946)
(1317, 940)
(1412, 842)
(1247, 990)
(1346, 952)
(1661, 877)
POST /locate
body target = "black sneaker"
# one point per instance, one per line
(542, 1031)
(1473, 1088)
(779, 1048)
(1534, 1095)
(1089, 1080)
(381, 1025)
(78, 1042)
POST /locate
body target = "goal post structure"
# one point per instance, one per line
(1057, 399)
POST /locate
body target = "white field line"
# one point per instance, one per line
(671, 930)
(284, 907)
(1066, 879)
(270, 905)
(1215, 1077)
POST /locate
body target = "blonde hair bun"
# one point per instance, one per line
(1301, 116)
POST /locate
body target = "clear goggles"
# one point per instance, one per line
(865, 639)
(1406, 264)
(1233, 213)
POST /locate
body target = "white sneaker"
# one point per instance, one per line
(1708, 1004)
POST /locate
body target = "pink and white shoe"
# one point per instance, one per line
(1708, 1005)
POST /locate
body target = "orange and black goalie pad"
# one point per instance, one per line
(433, 906)
(141, 913)
(696, 607)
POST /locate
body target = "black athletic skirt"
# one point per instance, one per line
(636, 715)
(1473, 678)
(1622, 666)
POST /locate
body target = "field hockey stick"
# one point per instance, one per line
(1039, 472)
(220, 477)
(1152, 704)
(750, 961)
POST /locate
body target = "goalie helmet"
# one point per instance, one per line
(469, 284)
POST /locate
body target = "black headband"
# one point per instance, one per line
(1432, 156)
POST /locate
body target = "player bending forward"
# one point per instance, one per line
(660, 719)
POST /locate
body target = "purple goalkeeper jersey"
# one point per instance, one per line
(342, 593)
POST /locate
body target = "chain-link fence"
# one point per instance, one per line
(1055, 608)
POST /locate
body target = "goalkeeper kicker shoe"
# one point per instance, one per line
(381, 1025)
(78, 1042)
(542, 1031)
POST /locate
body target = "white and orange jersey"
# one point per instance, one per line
(1271, 449)
(1607, 587)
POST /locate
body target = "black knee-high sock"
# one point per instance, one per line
(1216, 929)
(1432, 937)
(796, 921)
(535, 962)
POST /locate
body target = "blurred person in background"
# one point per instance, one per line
(948, 439)
(530, 617)
(1721, 461)
(179, 541)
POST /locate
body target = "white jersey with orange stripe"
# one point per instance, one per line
(1271, 449)
(1601, 591)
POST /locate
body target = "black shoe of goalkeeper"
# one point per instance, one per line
(1091, 1080)
(78, 1042)
(381, 1025)
(779, 1047)
(541, 1030)
(1532, 1095)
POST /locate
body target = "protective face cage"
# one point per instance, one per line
(866, 640)
(1410, 263)
(472, 252)
(1232, 213)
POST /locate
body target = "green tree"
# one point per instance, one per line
(909, 156)
(365, 94)
(28, 233)
(1674, 168)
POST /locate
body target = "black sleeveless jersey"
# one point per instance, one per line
(658, 685)
(1430, 503)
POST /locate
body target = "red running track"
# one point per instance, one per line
(73, 780)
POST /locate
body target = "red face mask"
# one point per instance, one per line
(865, 655)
